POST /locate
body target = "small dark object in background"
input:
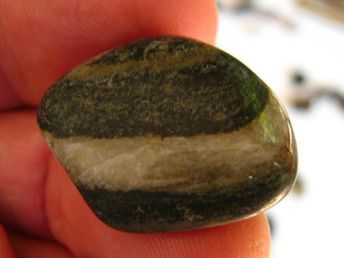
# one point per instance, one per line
(298, 78)
(251, 7)
(304, 93)
(333, 9)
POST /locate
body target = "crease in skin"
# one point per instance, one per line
(23, 157)
(8, 97)
(24, 245)
(48, 157)
(53, 222)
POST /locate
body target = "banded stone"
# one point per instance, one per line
(168, 134)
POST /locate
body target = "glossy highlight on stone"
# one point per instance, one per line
(169, 134)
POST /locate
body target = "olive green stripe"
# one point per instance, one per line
(143, 211)
(206, 92)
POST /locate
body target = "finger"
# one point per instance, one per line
(6, 250)
(23, 166)
(40, 40)
(25, 247)
(74, 225)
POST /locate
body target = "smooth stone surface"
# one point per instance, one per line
(168, 134)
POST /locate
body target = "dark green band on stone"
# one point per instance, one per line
(207, 92)
(144, 211)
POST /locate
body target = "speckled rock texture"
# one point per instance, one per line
(169, 134)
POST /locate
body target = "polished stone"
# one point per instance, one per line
(168, 134)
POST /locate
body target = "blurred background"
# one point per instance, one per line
(297, 48)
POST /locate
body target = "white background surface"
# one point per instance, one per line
(310, 225)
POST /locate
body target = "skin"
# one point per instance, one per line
(41, 212)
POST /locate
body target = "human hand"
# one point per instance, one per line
(41, 212)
